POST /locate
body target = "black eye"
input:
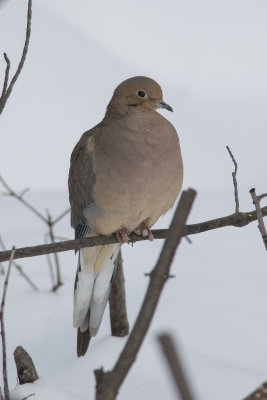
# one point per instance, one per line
(141, 93)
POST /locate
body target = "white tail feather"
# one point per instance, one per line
(101, 292)
(93, 280)
(82, 292)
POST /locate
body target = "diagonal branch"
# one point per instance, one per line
(6, 390)
(19, 197)
(175, 366)
(62, 215)
(108, 383)
(237, 220)
(8, 89)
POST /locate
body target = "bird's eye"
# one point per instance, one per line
(141, 93)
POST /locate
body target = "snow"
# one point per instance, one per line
(214, 308)
(210, 59)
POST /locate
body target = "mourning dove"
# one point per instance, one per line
(125, 173)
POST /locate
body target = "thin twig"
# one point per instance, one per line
(56, 220)
(234, 180)
(6, 389)
(19, 268)
(237, 220)
(52, 238)
(261, 196)
(52, 275)
(6, 77)
(11, 192)
(261, 226)
(49, 222)
(50, 264)
(8, 89)
(108, 383)
(24, 191)
(176, 368)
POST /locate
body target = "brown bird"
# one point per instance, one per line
(125, 173)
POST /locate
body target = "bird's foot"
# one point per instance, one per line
(144, 231)
(122, 236)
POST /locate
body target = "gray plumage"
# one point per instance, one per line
(125, 173)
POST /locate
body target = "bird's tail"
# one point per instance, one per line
(95, 270)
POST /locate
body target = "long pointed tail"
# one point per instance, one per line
(95, 270)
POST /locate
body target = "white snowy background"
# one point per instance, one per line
(210, 58)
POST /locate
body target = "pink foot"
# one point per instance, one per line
(122, 237)
(144, 231)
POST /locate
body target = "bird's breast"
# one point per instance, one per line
(138, 170)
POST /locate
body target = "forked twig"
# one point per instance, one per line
(7, 89)
(234, 180)
(47, 220)
(6, 389)
(19, 197)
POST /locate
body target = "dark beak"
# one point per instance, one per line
(162, 104)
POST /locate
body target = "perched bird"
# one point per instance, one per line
(125, 173)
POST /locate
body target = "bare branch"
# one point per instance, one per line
(261, 196)
(6, 93)
(50, 264)
(234, 180)
(237, 220)
(261, 226)
(24, 191)
(11, 192)
(108, 383)
(56, 220)
(6, 77)
(175, 365)
(52, 238)
(49, 222)
(117, 304)
(6, 389)
(19, 268)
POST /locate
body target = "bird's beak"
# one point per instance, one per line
(162, 104)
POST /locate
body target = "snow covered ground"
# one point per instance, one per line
(215, 308)
(210, 59)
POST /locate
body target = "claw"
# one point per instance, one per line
(144, 231)
(122, 237)
(138, 231)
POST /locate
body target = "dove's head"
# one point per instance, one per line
(138, 92)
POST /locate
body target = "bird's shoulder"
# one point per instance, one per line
(85, 146)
